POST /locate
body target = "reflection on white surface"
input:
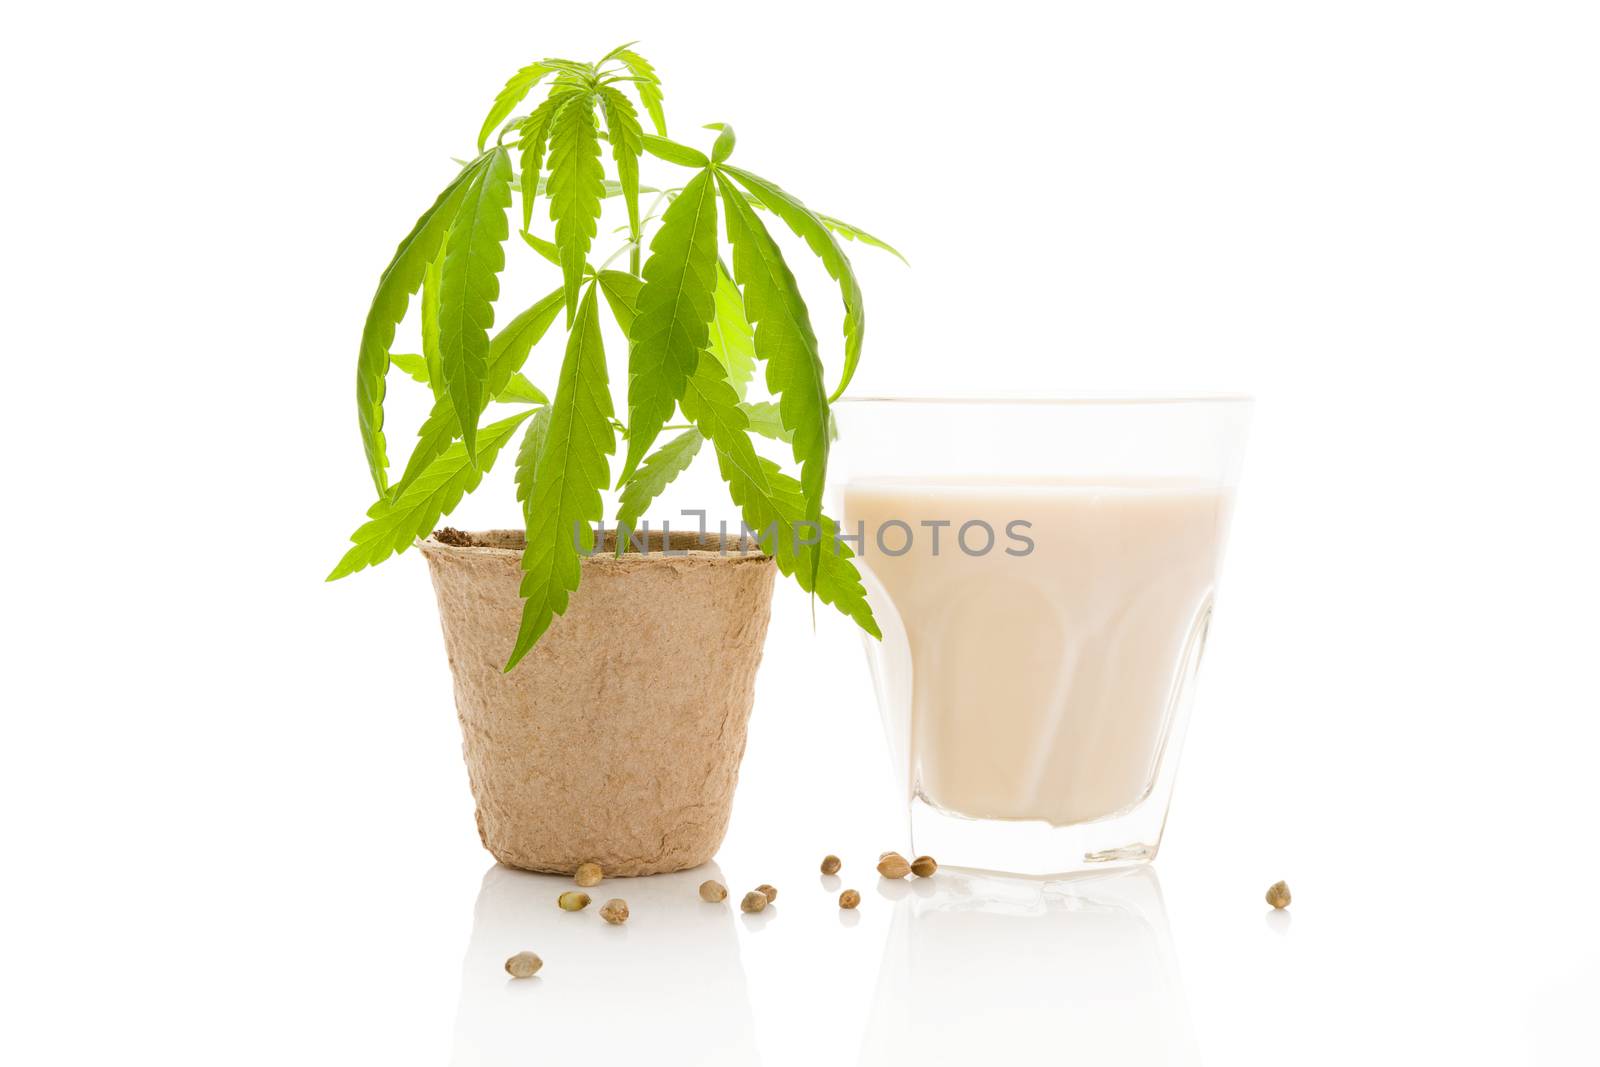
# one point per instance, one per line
(667, 987)
(983, 966)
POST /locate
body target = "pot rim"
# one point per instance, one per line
(684, 545)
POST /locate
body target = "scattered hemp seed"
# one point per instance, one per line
(924, 866)
(849, 899)
(523, 965)
(831, 864)
(770, 892)
(1278, 895)
(893, 865)
(572, 900)
(713, 892)
(754, 901)
(614, 911)
(588, 874)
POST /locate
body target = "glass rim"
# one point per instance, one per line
(1085, 399)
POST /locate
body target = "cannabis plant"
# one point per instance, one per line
(697, 325)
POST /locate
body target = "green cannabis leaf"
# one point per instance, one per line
(723, 148)
(799, 218)
(697, 325)
(412, 364)
(430, 325)
(535, 136)
(654, 475)
(673, 152)
(507, 353)
(856, 233)
(765, 420)
(675, 308)
(564, 499)
(528, 461)
(468, 288)
(576, 186)
(733, 340)
(772, 503)
(519, 390)
(516, 87)
(401, 278)
(622, 295)
(395, 523)
(648, 85)
(627, 142)
(784, 340)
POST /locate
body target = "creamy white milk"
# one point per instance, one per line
(1041, 683)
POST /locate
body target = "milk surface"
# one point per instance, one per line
(1040, 681)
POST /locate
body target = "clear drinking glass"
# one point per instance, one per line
(1043, 572)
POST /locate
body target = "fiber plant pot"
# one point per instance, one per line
(617, 739)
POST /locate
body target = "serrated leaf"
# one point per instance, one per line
(627, 142)
(507, 353)
(648, 86)
(519, 390)
(800, 219)
(614, 53)
(517, 86)
(564, 499)
(412, 364)
(401, 278)
(547, 249)
(393, 524)
(621, 290)
(856, 233)
(535, 132)
(771, 502)
(570, 68)
(576, 185)
(468, 288)
(732, 337)
(784, 340)
(613, 188)
(673, 152)
(675, 308)
(766, 420)
(430, 325)
(528, 458)
(654, 475)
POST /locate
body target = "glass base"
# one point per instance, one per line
(1036, 848)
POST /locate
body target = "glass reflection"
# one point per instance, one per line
(1079, 969)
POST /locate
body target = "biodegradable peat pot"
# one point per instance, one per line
(617, 739)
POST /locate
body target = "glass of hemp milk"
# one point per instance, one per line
(1044, 574)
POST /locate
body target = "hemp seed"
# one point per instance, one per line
(523, 965)
(614, 911)
(754, 901)
(849, 899)
(831, 864)
(770, 892)
(893, 865)
(572, 900)
(713, 892)
(1278, 895)
(924, 866)
(588, 874)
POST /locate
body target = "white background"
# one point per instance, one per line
(236, 827)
